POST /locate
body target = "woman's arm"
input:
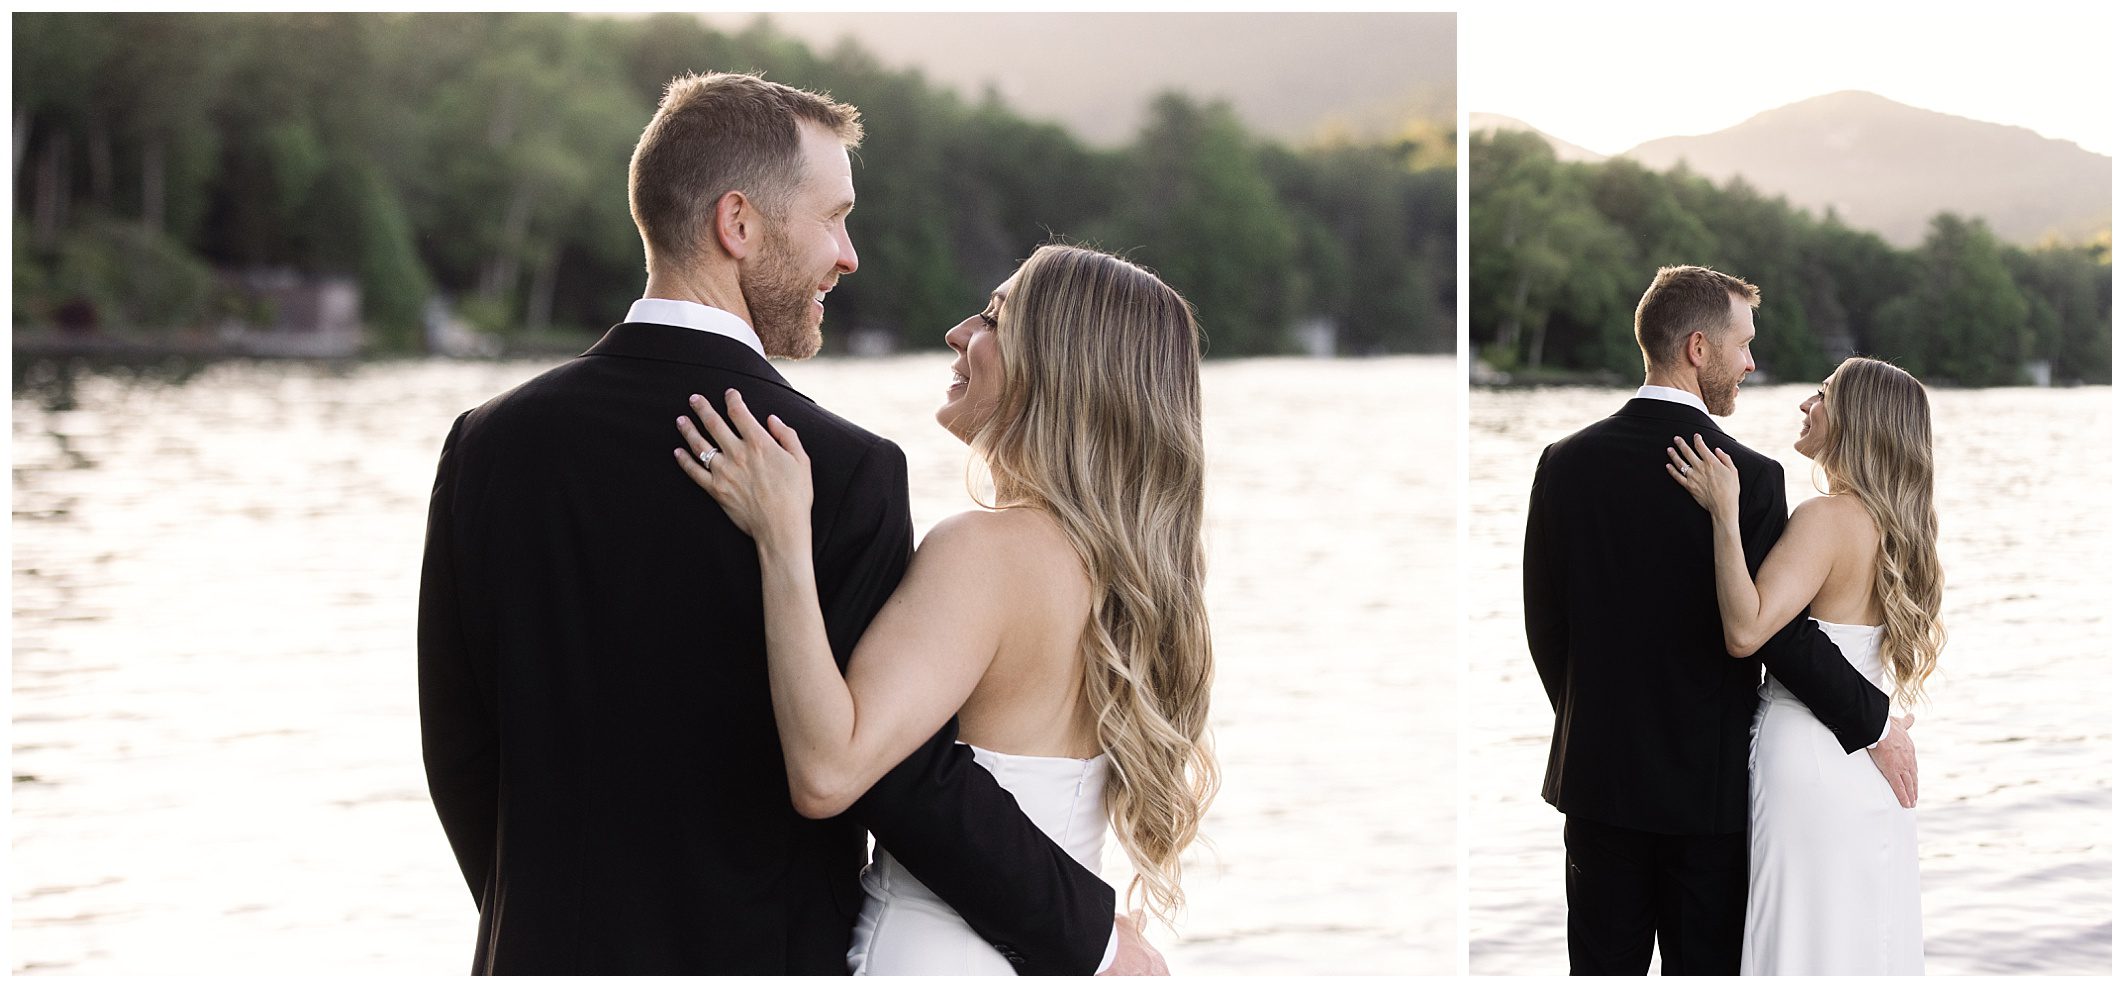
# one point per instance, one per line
(916, 663)
(1753, 608)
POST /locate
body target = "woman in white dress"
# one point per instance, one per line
(1064, 623)
(1832, 855)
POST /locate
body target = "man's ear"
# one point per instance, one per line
(1697, 348)
(737, 224)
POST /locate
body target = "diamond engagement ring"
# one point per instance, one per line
(708, 454)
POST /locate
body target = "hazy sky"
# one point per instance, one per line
(1286, 74)
(1585, 76)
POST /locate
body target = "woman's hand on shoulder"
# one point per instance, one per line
(1707, 474)
(759, 473)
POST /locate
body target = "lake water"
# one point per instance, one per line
(215, 743)
(2014, 749)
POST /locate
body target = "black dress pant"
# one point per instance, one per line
(1627, 888)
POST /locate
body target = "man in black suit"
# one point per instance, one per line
(1649, 759)
(596, 725)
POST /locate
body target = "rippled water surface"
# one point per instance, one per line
(215, 744)
(2014, 750)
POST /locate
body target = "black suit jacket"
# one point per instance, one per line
(1622, 617)
(595, 715)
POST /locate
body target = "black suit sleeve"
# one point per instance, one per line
(940, 814)
(1542, 579)
(458, 736)
(1800, 655)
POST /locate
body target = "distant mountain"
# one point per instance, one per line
(1565, 150)
(1889, 168)
(1289, 76)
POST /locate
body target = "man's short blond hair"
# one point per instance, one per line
(715, 133)
(1687, 299)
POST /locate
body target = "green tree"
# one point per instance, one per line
(1963, 321)
(2067, 289)
(1368, 219)
(1547, 270)
(482, 157)
(1202, 213)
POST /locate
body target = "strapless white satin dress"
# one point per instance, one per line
(904, 928)
(1832, 857)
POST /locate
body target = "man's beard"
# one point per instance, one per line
(1718, 391)
(778, 295)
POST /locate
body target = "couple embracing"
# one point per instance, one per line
(1726, 814)
(676, 660)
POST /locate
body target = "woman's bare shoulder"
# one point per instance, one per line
(1014, 563)
(1839, 517)
(1021, 539)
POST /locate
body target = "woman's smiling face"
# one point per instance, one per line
(977, 376)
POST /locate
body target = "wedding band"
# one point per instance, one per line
(708, 454)
(1685, 469)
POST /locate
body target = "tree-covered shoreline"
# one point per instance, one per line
(482, 158)
(1558, 253)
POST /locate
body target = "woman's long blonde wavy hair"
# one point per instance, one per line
(1099, 423)
(1879, 448)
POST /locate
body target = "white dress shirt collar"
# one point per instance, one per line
(693, 315)
(1664, 393)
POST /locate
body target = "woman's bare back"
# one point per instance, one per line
(1031, 699)
(1846, 596)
